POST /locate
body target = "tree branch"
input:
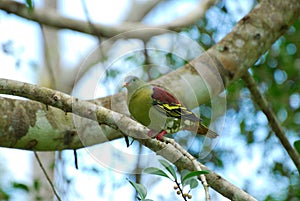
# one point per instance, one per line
(68, 104)
(253, 35)
(47, 176)
(138, 10)
(31, 125)
(124, 124)
(195, 163)
(261, 101)
(54, 19)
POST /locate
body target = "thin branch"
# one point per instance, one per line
(195, 163)
(139, 10)
(98, 54)
(124, 124)
(180, 190)
(94, 55)
(48, 58)
(47, 177)
(89, 20)
(192, 17)
(261, 101)
(53, 19)
(75, 158)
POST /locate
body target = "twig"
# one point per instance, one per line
(180, 189)
(47, 177)
(195, 163)
(75, 158)
(48, 57)
(261, 101)
(139, 10)
(136, 14)
(89, 20)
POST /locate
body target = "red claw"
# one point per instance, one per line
(161, 135)
(158, 136)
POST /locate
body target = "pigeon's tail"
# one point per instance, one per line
(203, 130)
(200, 129)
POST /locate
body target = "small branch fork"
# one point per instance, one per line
(261, 101)
(195, 163)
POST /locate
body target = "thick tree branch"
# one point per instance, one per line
(68, 104)
(30, 124)
(124, 124)
(54, 19)
(253, 35)
(260, 100)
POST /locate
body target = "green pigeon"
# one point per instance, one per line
(157, 109)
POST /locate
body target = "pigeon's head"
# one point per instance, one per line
(132, 83)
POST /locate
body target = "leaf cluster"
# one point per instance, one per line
(187, 178)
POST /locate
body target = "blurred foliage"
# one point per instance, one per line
(12, 49)
(278, 74)
(8, 192)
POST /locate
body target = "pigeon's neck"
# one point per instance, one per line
(132, 90)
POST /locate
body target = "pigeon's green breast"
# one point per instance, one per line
(140, 104)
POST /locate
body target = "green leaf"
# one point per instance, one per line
(156, 171)
(20, 186)
(193, 183)
(141, 189)
(193, 174)
(148, 200)
(169, 167)
(36, 185)
(189, 178)
(30, 5)
(297, 146)
(183, 173)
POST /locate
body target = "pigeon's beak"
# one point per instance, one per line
(125, 84)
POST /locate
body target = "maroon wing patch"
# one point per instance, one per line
(163, 96)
